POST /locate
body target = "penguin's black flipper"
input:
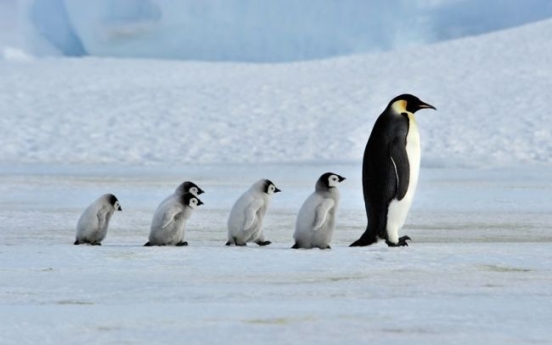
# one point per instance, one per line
(402, 242)
(399, 159)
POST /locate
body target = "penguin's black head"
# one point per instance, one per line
(112, 199)
(189, 187)
(190, 200)
(329, 180)
(408, 103)
(270, 188)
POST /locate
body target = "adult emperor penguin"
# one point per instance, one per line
(316, 220)
(169, 220)
(246, 218)
(390, 171)
(94, 221)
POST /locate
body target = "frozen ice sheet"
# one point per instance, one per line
(478, 270)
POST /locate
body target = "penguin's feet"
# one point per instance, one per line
(296, 246)
(263, 243)
(95, 244)
(147, 245)
(230, 243)
(76, 242)
(326, 247)
(363, 242)
(402, 242)
(181, 244)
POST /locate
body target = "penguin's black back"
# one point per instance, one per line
(379, 179)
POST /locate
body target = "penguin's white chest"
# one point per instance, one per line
(413, 152)
(398, 209)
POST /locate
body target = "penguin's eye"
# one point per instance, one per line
(272, 188)
(193, 190)
(194, 201)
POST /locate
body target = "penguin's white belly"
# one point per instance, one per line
(305, 234)
(89, 226)
(252, 233)
(237, 219)
(170, 235)
(398, 209)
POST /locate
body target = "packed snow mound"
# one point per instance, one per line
(260, 31)
(492, 93)
(10, 35)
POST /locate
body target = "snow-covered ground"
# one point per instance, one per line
(491, 92)
(478, 271)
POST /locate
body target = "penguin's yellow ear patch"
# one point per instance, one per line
(399, 106)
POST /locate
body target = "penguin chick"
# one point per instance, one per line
(189, 187)
(390, 171)
(94, 221)
(183, 188)
(169, 220)
(246, 218)
(316, 219)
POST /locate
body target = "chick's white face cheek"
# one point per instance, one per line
(193, 190)
(333, 181)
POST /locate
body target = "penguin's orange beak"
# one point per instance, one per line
(426, 106)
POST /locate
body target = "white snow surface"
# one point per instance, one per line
(478, 270)
(491, 92)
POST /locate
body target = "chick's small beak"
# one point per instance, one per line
(199, 202)
(277, 190)
(119, 208)
(200, 191)
(341, 178)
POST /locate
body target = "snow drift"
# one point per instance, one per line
(492, 95)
